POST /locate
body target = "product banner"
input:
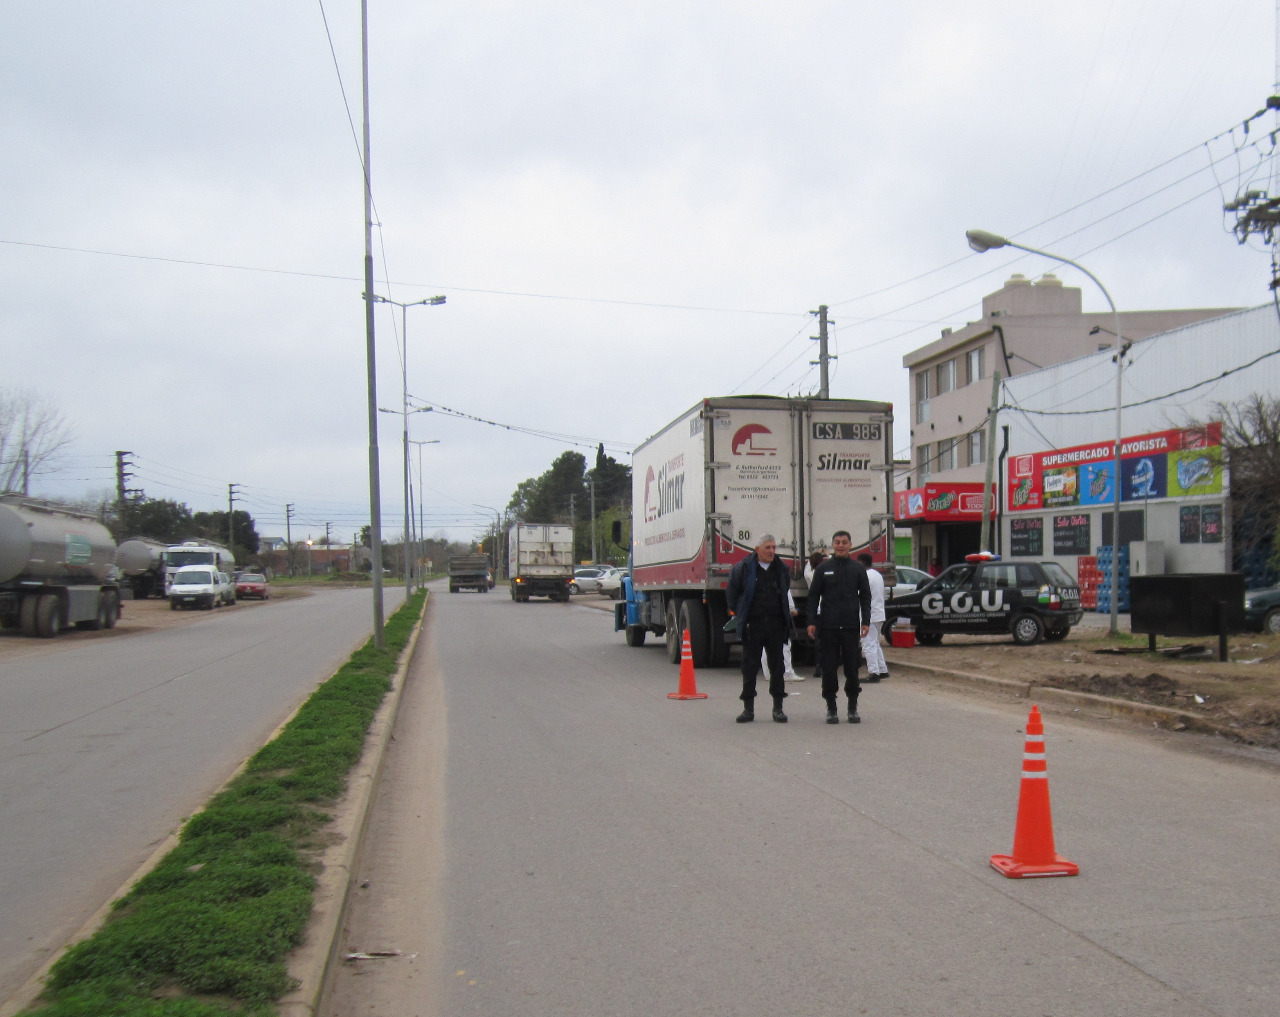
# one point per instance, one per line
(1165, 464)
(941, 503)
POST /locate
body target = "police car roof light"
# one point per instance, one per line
(982, 556)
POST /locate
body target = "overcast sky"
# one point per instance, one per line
(628, 207)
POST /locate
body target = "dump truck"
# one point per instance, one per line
(708, 485)
(469, 572)
(541, 561)
(57, 568)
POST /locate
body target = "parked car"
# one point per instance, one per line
(1262, 610)
(1029, 600)
(611, 582)
(226, 588)
(250, 584)
(197, 586)
(586, 579)
(909, 580)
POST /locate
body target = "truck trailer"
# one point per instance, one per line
(707, 486)
(57, 568)
(141, 559)
(541, 561)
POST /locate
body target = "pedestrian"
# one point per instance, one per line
(935, 568)
(788, 674)
(817, 558)
(841, 599)
(757, 599)
(877, 669)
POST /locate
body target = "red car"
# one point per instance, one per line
(251, 585)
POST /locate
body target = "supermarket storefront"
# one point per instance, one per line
(945, 520)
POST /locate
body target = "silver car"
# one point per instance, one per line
(909, 580)
(586, 579)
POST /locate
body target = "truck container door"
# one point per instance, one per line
(848, 452)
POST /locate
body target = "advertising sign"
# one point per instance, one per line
(1164, 464)
(1026, 537)
(941, 503)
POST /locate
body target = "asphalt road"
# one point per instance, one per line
(555, 836)
(107, 745)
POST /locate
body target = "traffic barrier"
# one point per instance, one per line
(1033, 848)
(688, 680)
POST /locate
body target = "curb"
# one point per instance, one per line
(1109, 705)
(311, 962)
(27, 993)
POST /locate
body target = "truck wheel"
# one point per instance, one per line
(48, 616)
(718, 616)
(635, 635)
(27, 615)
(99, 621)
(8, 621)
(674, 635)
(1027, 630)
(694, 618)
(113, 610)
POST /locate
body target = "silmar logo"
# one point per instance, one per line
(664, 491)
(962, 602)
(842, 461)
(753, 440)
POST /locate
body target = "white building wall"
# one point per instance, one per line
(1178, 377)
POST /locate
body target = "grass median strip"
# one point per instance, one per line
(206, 933)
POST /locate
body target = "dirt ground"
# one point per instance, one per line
(1239, 699)
(138, 616)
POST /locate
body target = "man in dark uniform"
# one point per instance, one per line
(840, 607)
(757, 599)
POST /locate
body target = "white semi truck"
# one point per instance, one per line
(541, 561)
(196, 552)
(710, 483)
(57, 568)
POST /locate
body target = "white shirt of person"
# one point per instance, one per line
(876, 581)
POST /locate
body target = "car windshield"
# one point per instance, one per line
(1057, 573)
(955, 576)
(910, 575)
(252, 579)
(193, 577)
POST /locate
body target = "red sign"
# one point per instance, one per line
(944, 503)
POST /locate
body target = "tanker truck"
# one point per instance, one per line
(57, 568)
(141, 559)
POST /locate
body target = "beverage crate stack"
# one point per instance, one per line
(1089, 577)
(1122, 580)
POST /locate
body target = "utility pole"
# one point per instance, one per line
(326, 533)
(573, 526)
(824, 358)
(987, 505)
(231, 516)
(594, 557)
(288, 537)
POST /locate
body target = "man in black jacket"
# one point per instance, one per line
(840, 607)
(757, 599)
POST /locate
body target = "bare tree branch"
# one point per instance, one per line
(34, 436)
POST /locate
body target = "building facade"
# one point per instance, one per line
(1025, 327)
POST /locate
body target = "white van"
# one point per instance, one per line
(196, 586)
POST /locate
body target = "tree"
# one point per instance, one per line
(213, 526)
(33, 437)
(159, 519)
(1251, 451)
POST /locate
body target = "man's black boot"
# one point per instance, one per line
(748, 713)
(853, 712)
(833, 715)
(778, 715)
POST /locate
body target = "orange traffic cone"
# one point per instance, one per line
(688, 682)
(1033, 851)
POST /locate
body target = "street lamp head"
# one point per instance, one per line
(982, 241)
(435, 301)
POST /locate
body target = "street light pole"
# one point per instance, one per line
(497, 534)
(404, 411)
(982, 241)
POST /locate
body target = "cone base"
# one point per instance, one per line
(686, 695)
(1009, 866)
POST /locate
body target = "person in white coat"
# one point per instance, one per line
(877, 669)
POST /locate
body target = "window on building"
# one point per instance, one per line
(947, 454)
(923, 461)
(973, 361)
(922, 397)
(946, 376)
(976, 442)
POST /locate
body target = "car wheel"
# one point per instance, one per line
(886, 630)
(173, 605)
(1271, 623)
(573, 588)
(1027, 630)
(928, 638)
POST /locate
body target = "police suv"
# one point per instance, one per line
(985, 596)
